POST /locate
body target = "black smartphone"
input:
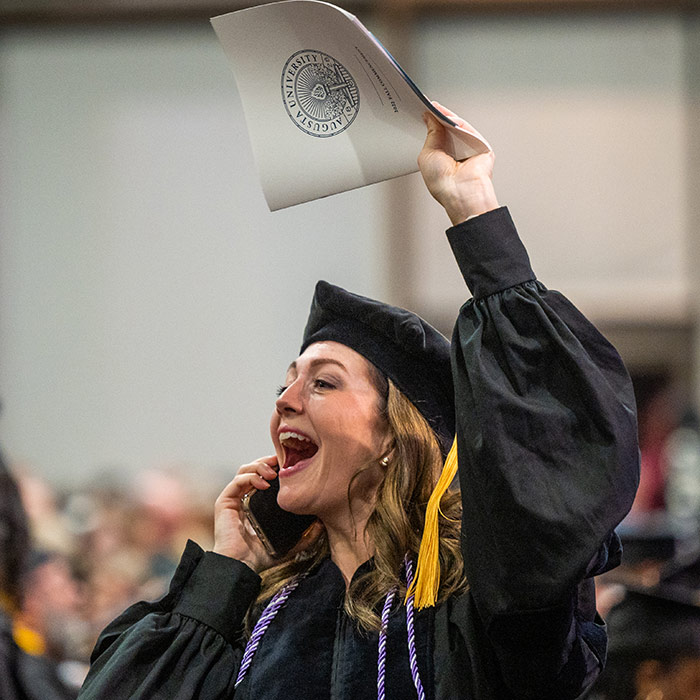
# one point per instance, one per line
(278, 529)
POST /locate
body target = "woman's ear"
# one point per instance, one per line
(388, 451)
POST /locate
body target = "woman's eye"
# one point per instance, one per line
(280, 390)
(323, 384)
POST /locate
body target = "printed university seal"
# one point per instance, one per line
(319, 94)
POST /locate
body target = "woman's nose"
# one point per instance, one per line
(289, 400)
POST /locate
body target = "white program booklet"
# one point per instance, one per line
(327, 107)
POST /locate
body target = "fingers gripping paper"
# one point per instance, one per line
(327, 107)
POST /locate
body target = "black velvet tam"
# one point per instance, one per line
(407, 349)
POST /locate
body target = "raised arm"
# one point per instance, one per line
(547, 443)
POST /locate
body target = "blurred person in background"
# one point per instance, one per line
(683, 480)
(23, 676)
(14, 546)
(41, 503)
(160, 509)
(49, 623)
(669, 441)
(654, 649)
(660, 410)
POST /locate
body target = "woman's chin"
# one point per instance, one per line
(293, 503)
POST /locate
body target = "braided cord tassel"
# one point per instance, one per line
(413, 660)
(381, 663)
(268, 615)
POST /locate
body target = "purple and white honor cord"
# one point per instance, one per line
(381, 660)
(268, 615)
(280, 598)
(413, 660)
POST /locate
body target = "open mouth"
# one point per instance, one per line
(297, 448)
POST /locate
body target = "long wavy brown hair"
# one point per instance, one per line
(395, 526)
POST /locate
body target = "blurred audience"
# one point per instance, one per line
(654, 651)
(652, 601)
(70, 562)
(659, 411)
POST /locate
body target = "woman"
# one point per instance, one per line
(544, 417)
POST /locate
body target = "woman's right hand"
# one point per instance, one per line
(464, 188)
(233, 535)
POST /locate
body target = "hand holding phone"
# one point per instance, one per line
(278, 529)
(233, 535)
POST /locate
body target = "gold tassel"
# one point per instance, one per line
(426, 583)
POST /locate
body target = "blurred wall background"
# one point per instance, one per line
(149, 301)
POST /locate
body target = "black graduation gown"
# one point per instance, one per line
(548, 466)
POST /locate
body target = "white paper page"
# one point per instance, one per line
(327, 109)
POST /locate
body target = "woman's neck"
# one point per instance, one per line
(350, 548)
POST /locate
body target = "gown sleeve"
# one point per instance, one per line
(548, 463)
(188, 644)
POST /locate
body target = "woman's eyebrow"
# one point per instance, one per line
(318, 361)
(326, 361)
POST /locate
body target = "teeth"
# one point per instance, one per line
(296, 436)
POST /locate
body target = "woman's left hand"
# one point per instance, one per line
(233, 535)
(464, 188)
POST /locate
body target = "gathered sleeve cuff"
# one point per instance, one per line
(218, 593)
(489, 253)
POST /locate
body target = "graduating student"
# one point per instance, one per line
(485, 593)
